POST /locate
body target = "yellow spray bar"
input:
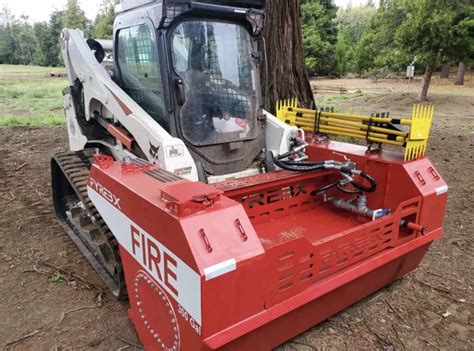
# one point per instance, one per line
(405, 122)
(363, 135)
(310, 122)
(349, 134)
(305, 113)
(363, 127)
(334, 130)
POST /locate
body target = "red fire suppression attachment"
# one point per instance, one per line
(249, 263)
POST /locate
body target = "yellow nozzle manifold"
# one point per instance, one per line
(422, 117)
(363, 127)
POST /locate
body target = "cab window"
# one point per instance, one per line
(139, 70)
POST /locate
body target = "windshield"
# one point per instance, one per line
(220, 75)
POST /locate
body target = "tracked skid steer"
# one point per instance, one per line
(227, 227)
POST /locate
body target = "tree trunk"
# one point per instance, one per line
(445, 71)
(287, 74)
(460, 76)
(425, 83)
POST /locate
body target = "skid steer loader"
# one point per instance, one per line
(224, 226)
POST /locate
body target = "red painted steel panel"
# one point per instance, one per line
(250, 263)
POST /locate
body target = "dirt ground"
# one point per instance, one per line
(50, 296)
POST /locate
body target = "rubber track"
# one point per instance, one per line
(76, 167)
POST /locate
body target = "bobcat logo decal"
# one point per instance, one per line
(154, 151)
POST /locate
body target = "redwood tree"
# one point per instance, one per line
(287, 74)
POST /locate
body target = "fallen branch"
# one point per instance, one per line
(40, 193)
(64, 314)
(421, 282)
(398, 338)
(394, 311)
(379, 338)
(430, 343)
(20, 166)
(125, 341)
(23, 338)
(444, 291)
(13, 197)
(436, 274)
(36, 270)
(333, 326)
(303, 344)
(73, 275)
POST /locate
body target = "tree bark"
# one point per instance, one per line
(445, 71)
(461, 72)
(287, 74)
(425, 83)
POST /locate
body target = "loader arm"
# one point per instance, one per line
(103, 98)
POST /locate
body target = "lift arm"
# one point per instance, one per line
(100, 91)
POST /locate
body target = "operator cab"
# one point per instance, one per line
(194, 67)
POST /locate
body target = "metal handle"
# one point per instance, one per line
(181, 91)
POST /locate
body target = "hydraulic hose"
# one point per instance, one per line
(325, 188)
(291, 152)
(368, 177)
(306, 166)
(299, 166)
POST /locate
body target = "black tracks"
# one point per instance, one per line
(81, 220)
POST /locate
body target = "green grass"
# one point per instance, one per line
(19, 69)
(20, 224)
(56, 277)
(29, 97)
(28, 121)
(331, 100)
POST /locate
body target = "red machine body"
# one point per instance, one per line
(250, 263)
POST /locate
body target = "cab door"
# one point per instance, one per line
(138, 70)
